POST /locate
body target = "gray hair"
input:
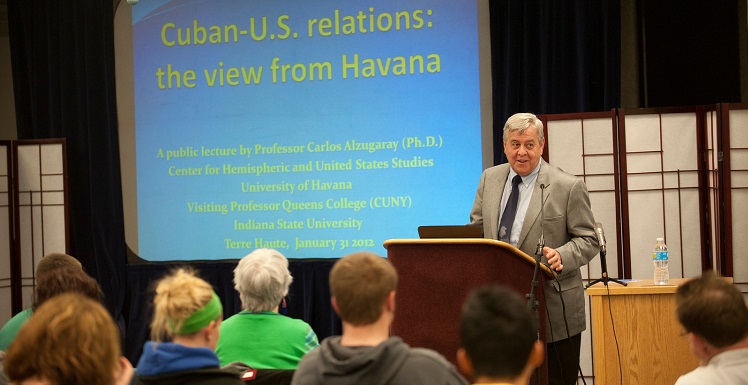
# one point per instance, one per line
(262, 279)
(521, 122)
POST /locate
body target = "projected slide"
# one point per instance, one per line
(317, 128)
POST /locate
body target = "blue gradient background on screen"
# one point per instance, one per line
(442, 105)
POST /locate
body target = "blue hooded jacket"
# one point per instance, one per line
(167, 357)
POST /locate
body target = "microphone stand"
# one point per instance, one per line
(605, 279)
(532, 301)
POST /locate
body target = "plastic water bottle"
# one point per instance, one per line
(660, 258)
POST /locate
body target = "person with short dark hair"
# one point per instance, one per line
(714, 315)
(54, 261)
(56, 273)
(363, 294)
(65, 280)
(498, 337)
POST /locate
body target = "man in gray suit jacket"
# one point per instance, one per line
(567, 225)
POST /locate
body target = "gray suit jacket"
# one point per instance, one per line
(569, 227)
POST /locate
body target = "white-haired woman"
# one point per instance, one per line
(258, 335)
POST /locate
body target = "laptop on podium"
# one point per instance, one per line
(450, 231)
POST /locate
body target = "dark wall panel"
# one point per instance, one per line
(691, 52)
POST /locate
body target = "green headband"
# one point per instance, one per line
(201, 318)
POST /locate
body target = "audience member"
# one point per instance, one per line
(48, 263)
(69, 340)
(258, 335)
(66, 280)
(714, 315)
(53, 282)
(363, 294)
(188, 311)
(498, 338)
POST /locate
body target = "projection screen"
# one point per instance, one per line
(317, 128)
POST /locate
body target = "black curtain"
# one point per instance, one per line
(62, 54)
(553, 56)
(701, 66)
(548, 57)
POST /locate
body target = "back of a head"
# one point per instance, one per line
(70, 339)
(65, 279)
(183, 304)
(360, 283)
(497, 332)
(714, 309)
(54, 261)
(262, 279)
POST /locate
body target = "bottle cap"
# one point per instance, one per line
(660, 240)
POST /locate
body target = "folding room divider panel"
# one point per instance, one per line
(38, 212)
(679, 172)
(6, 226)
(734, 262)
(659, 163)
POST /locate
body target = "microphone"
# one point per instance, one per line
(603, 264)
(600, 236)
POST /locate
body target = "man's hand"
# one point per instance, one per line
(554, 259)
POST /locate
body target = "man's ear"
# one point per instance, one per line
(537, 355)
(390, 302)
(334, 305)
(701, 348)
(463, 362)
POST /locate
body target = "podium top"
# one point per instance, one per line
(467, 241)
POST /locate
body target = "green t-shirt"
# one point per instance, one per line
(11, 328)
(265, 340)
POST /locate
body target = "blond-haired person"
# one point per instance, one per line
(69, 340)
(187, 311)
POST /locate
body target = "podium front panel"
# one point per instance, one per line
(436, 277)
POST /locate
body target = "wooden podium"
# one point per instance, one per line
(652, 351)
(435, 278)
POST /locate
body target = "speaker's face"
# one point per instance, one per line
(523, 150)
